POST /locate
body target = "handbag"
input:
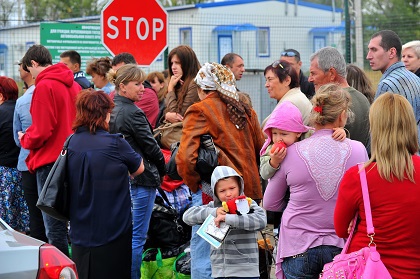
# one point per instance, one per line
(55, 197)
(365, 263)
(171, 169)
(207, 159)
(168, 133)
(166, 228)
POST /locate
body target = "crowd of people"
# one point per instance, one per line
(307, 149)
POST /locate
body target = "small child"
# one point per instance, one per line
(238, 254)
(285, 124)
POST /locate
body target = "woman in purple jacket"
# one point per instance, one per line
(313, 169)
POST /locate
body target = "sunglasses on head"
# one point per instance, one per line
(289, 54)
(277, 64)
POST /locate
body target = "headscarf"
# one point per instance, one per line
(214, 76)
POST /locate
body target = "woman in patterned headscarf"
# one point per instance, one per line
(234, 128)
(232, 124)
(312, 170)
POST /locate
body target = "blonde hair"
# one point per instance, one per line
(415, 45)
(125, 74)
(394, 137)
(161, 78)
(333, 100)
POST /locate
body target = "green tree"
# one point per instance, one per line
(401, 16)
(6, 8)
(41, 10)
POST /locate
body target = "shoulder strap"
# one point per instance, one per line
(164, 197)
(66, 143)
(366, 200)
(347, 244)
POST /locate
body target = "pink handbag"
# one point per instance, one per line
(365, 263)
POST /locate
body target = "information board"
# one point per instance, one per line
(85, 38)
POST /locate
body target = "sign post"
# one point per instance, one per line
(137, 27)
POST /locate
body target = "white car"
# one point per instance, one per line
(25, 257)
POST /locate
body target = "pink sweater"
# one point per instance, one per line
(313, 169)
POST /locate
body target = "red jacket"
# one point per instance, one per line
(53, 111)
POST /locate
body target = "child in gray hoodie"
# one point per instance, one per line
(238, 254)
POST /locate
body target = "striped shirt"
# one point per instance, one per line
(397, 79)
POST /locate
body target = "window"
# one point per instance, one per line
(185, 36)
(319, 42)
(225, 45)
(263, 42)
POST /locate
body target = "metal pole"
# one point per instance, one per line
(348, 39)
(358, 33)
(165, 58)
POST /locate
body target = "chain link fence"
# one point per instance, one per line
(258, 36)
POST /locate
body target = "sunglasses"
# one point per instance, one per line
(277, 64)
(289, 54)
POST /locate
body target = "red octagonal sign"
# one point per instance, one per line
(138, 27)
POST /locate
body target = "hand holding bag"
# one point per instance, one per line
(365, 263)
(55, 197)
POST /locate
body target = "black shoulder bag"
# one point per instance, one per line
(55, 197)
(166, 228)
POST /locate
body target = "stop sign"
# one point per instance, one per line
(137, 27)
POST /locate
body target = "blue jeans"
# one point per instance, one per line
(143, 199)
(55, 230)
(200, 249)
(309, 264)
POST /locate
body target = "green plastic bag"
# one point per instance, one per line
(156, 268)
(182, 264)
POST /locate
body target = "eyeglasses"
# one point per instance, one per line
(277, 64)
(289, 54)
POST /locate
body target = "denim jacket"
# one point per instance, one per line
(22, 119)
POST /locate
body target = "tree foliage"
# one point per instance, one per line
(401, 16)
(42, 10)
(6, 8)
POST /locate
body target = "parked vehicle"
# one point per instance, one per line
(24, 257)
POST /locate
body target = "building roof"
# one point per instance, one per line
(241, 2)
(235, 27)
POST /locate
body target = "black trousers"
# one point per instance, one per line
(30, 192)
